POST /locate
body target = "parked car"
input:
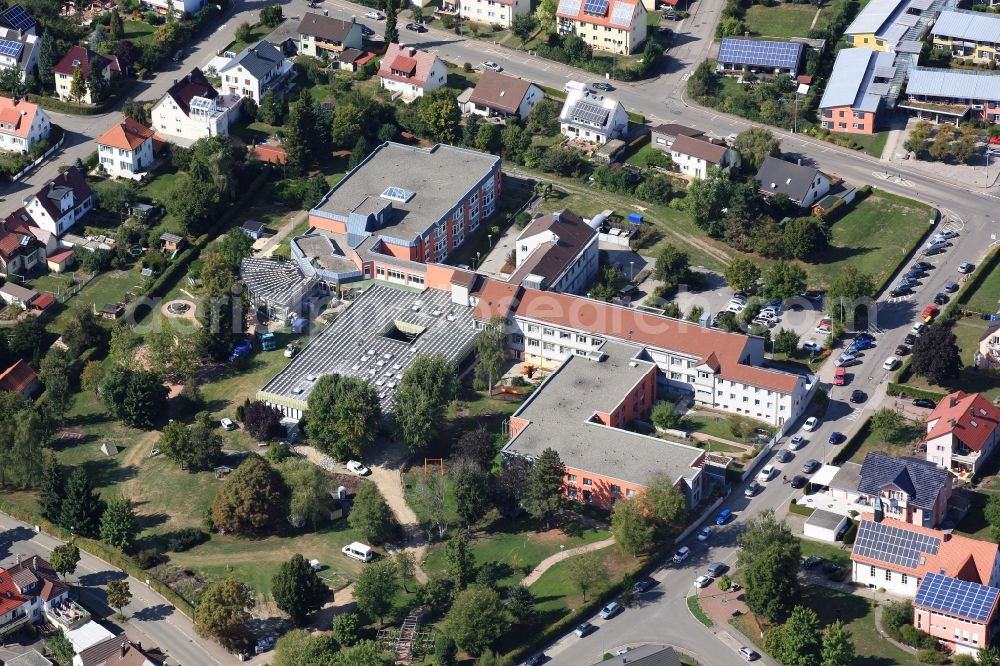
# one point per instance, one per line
(797, 442)
(716, 569)
(923, 402)
(836, 438)
(812, 562)
(918, 328)
(264, 644)
(799, 481)
(366, 31)
(584, 629)
(416, 27)
(602, 85)
(966, 267)
(931, 251)
(847, 358)
(611, 610)
(702, 581)
(925, 265)
(492, 66)
(840, 376)
(355, 467)
(748, 654)
(811, 466)
(941, 299)
(901, 350)
(705, 534)
(812, 348)
(811, 424)
(901, 290)
(784, 455)
(767, 473)
(643, 585)
(536, 659)
(858, 396)
(228, 424)
(682, 554)
(378, 16)
(951, 286)
(723, 517)
(861, 344)
(890, 363)
(752, 489)
(929, 313)
(910, 339)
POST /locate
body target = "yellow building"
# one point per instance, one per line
(882, 24)
(967, 34)
(618, 26)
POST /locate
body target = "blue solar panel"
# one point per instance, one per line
(598, 7)
(760, 53)
(956, 597)
(17, 18)
(10, 48)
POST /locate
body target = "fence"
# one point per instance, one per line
(709, 510)
(16, 177)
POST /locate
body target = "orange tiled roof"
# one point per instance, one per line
(17, 378)
(19, 114)
(10, 596)
(407, 59)
(975, 418)
(129, 134)
(593, 19)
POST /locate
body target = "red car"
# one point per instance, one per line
(929, 313)
(840, 376)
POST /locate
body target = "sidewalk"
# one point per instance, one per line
(545, 564)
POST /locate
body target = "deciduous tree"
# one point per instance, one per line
(91, 376)
(118, 524)
(439, 111)
(523, 26)
(756, 144)
(587, 572)
(803, 238)
(310, 487)
(370, 514)
(262, 421)
(742, 274)
(771, 581)
(344, 416)
(195, 448)
(477, 448)
(406, 565)
(786, 341)
(119, 594)
(632, 529)
(849, 289)
(236, 246)
(476, 619)
(468, 482)
(224, 613)
(64, 558)
(838, 646)
(936, 355)
(460, 563)
(77, 85)
(376, 588)
(491, 352)
(58, 391)
(253, 499)
(421, 400)
(297, 590)
(797, 642)
(783, 280)
(665, 505)
(543, 494)
(672, 265)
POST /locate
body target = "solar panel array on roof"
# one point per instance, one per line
(9, 47)
(202, 104)
(761, 53)
(893, 545)
(590, 113)
(956, 597)
(953, 84)
(621, 14)
(596, 7)
(17, 18)
(570, 7)
(972, 26)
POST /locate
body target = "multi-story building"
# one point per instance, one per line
(411, 72)
(883, 24)
(22, 125)
(592, 118)
(254, 69)
(695, 156)
(82, 58)
(988, 355)
(912, 490)
(952, 95)
(60, 203)
(556, 252)
(803, 185)
(404, 206)
(320, 34)
(581, 411)
(503, 96)
(618, 26)
(959, 613)
(966, 34)
(494, 12)
(21, 252)
(855, 92)
(20, 51)
(738, 55)
(30, 590)
(193, 109)
(963, 432)
(16, 18)
(126, 149)
(662, 136)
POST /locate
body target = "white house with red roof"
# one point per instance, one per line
(82, 58)
(410, 72)
(61, 203)
(618, 26)
(126, 149)
(28, 591)
(963, 432)
(193, 109)
(20, 251)
(493, 12)
(22, 125)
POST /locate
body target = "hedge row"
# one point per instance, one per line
(895, 389)
(913, 247)
(853, 444)
(799, 509)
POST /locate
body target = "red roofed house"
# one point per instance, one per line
(19, 378)
(494, 12)
(126, 149)
(606, 25)
(59, 262)
(61, 203)
(34, 583)
(22, 125)
(83, 58)
(963, 432)
(20, 251)
(13, 607)
(410, 72)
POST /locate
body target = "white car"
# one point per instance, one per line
(705, 533)
(378, 16)
(918, 328)
(492, 66)
(735, 307)
(796, 443)
(890, 363)
(354, 467)
(767, 473)
(682, 554)
(702, 581)
(811, 424)
(228, 424)
(812, 347)
(846, 358)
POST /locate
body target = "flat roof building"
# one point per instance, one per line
(883, 24)
(854, 95)
(968, 34)
(952, 95)
(737, 54)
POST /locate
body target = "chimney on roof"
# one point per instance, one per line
(412, 50)
(19, 558)
(800, 161)
(953, 400)
(34, 562)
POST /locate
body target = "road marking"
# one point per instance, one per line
(853, 416)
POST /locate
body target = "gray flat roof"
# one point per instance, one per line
(439, 178)
(825, 519)
(559, 414)
(875, 14)
(274, 280)
(954, 84)
(850, 81)
(847, 477)
(355, 344)
(966, 25)
(324, 250)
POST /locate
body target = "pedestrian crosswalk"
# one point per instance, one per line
(854, 415)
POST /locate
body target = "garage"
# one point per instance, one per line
(824, 525)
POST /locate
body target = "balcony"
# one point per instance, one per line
(13, 624)
(68, 615)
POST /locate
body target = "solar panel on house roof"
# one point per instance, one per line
(597, 7)
(9, 47)
(760, 52)
(570, 7)
(621, 14)
(956, 597)
(894, 545)
(588, 112)
(17, 18)
(202, 104)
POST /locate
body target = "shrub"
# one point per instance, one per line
(963, 660)
(148, 558)
(918, 639)
(932, 656)
(185, 539)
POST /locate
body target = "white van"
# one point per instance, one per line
(576, 85)
(359, 551)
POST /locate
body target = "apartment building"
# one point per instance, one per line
(82, 58)
(126, 149)
(193, 109)
(591, 117)
(28, 591)
(494, 12)
(320, 34)
(959, 613)
(618, 26)
(19, 51)
(883, 24)
(952, 95)
(967, 34)
(60, 203)
(854, 95)
(963, 432)
(254, 70)
(411, 72)
(912, 490)
(556, 252)
(22, 125)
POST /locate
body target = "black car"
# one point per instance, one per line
(900, 291)
(642, 585)
(536, 659)
(601, 85)
(416, 27)
(910, 338)
(366, 31)
(923, 265)
(812, 562)
(858, 396)
(901, 350)
(584, 629)
(923, 402)
(941, 299)
(798, 481)
(916, 273)
(811, 466)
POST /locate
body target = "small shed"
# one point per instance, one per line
(253, 229)
(824, 525)
(112, 311)
(59, 262)
(610, 151)
(222, 471)
(43, 302)
(170, 242)
(109, 448)
(144, 211)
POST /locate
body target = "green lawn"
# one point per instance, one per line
(646, 154)
(781, 21)
(974, 524)
(873, 144)
(109, 287)
(160, 187)
(873, 236)
(138, 31)
(968, 331)
(721, 426)
(870, 442)
(986, 297)
(694, 605)
(827, 551)
(257, 32)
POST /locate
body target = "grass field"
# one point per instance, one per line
(873, 236)
(873, 442)
(720, 426)
(986, 297)
(873, 144)
(138, 31)
(827, 551)
(781, 21)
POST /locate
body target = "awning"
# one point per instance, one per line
(824, 476)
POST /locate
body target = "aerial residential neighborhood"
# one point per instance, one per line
(569, 333)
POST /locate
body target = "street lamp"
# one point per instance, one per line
(477, 258)
(490, 238)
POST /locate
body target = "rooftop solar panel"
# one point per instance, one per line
(570, 7)
(596, 7)
(893, 545)
(621, 14)
(17, 18)
(590, 113)
(11, 48)
(956, 597)
(761, 53)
